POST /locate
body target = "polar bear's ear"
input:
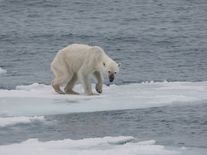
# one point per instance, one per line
(104, 64)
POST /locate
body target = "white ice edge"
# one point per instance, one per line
(40, 99)
(8, 121)
(91, 146)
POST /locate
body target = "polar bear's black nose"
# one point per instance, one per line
(111, 77)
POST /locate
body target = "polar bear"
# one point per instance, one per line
(79, 61)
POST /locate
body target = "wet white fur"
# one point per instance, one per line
(77, 62)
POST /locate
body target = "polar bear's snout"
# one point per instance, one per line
(111, 77)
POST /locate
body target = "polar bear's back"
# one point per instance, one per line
(76, 55)
(76, 48)
(81, 52)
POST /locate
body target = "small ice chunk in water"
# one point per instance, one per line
(2, 71)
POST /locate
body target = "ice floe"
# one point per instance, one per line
(91, 146)
(40, 99)
(7, 121)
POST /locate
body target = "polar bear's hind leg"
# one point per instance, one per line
(56, 87)
(60, 78)
(69, 87)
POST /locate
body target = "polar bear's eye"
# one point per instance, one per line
(104, 64)
(109, 72)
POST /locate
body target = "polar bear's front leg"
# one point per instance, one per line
(99, 84)
(86, 84)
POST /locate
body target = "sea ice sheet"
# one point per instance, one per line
(39, 99)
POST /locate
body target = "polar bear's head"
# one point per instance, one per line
(111, 69)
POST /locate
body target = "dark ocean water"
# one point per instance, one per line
(171, 126)
(152, 39)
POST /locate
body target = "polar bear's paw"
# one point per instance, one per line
(99, 88)
(57, 88)
(71, 92)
